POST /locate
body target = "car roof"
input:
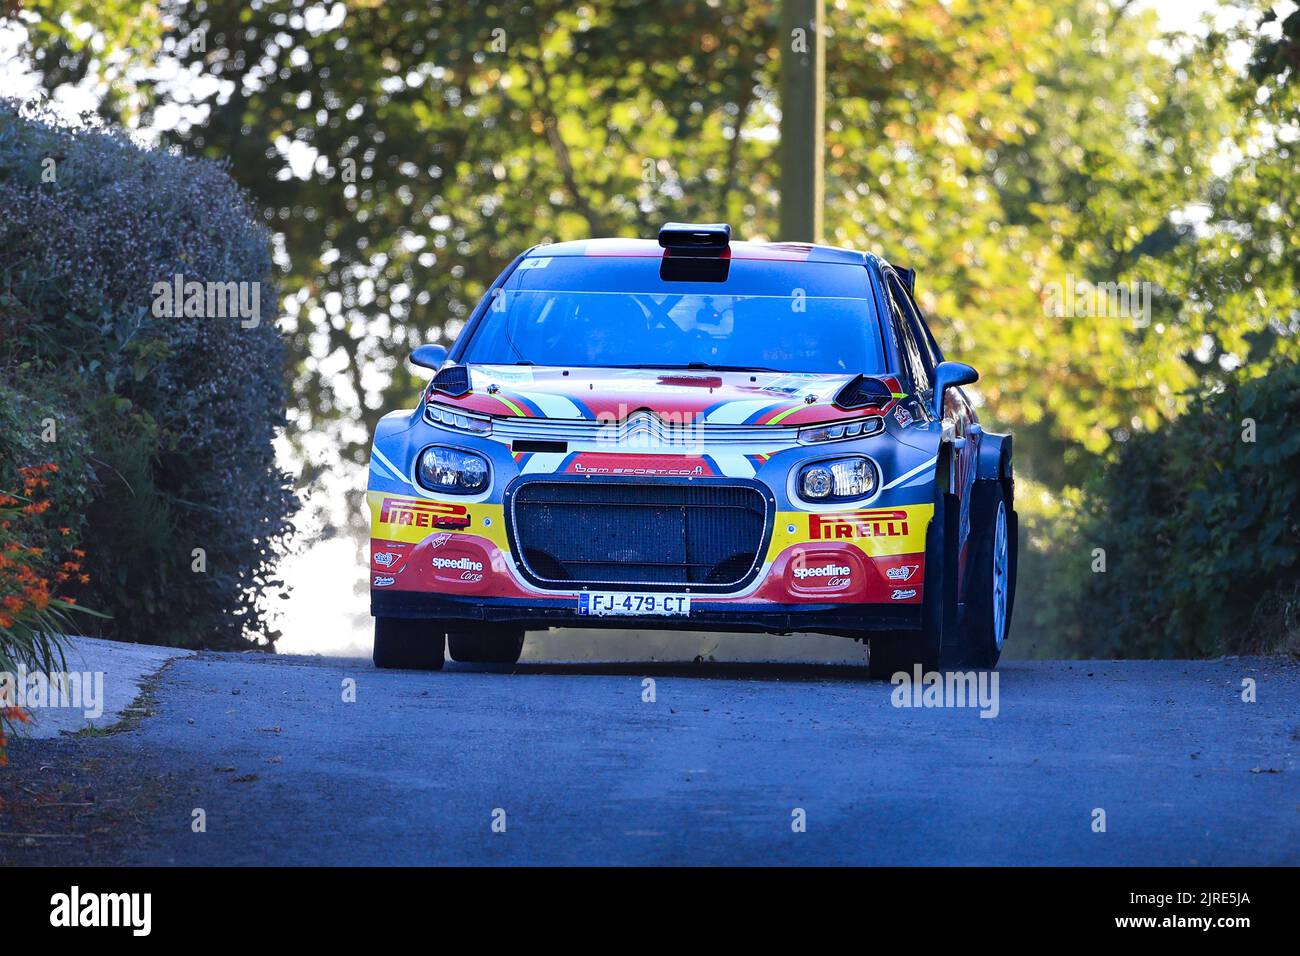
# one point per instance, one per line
(650, 248)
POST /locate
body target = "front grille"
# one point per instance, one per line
(618, 533)
(645, 433)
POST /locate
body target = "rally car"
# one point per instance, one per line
(693, 433)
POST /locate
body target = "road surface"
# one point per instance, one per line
(1084, 763)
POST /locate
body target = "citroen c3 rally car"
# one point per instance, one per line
(698, 434)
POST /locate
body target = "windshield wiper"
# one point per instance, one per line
(731, 368)
(698, 366)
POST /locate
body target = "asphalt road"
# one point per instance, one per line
(419, 767)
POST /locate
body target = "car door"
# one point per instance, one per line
(958, 413)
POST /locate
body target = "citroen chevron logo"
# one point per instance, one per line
(644, 429)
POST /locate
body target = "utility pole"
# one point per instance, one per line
(803, 119)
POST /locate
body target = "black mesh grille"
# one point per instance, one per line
(863, 391)
(626, 533)
(452, 380)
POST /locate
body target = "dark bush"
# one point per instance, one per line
(1201, 531)
(178, 413)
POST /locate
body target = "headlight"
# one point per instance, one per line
(857, 428)
(837, 480)
(449, 469)
(436, 414)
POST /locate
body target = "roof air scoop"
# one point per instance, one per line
(695, 251)
(701, 238)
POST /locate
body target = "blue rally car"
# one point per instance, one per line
(700, 434)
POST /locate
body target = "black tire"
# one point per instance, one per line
(904, 650)
(896, 651)
(408, 645)
(891, 653)
(992, 584)
(486, 645)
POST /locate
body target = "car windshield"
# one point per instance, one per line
(576, 311)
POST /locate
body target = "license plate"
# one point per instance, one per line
(608, 603)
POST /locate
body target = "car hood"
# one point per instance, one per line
(677, 396)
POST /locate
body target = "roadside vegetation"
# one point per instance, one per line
(154, 432)
(36, 571)
(1186, 545)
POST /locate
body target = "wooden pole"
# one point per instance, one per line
(803, 119)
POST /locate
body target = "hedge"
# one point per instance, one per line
(170, 418)
(1199, 527)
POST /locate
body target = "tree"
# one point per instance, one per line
(404, 153)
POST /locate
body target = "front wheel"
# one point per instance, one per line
(988, 610)
(892, 652)
(903, 652)
(486, 645)
(408, 645)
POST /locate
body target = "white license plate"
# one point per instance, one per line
(607, 603)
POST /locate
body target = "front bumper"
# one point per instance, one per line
(839, 572)
(841, 619)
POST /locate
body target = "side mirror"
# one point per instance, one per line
(429, 356)
(946, 375)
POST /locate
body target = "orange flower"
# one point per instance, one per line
(65, 531)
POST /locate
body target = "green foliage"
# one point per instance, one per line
(175, 416)
(981, 144)
(1201, 531)
(1243, 273)
(997, 149)
(1044, 624)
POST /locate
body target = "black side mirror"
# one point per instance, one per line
(429, 356)
(946, 375)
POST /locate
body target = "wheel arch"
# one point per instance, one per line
(995, 464)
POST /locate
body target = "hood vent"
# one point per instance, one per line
(452, 380)
(864, 391)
